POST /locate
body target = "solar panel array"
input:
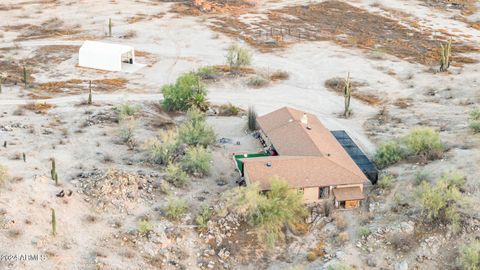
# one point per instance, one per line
(368, 168)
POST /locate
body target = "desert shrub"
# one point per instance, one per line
(342, 238)
(202, 219)
(339, 266)
(195, 131)
(207, 73)
(197, 161)
(424, 142)
(162, 149)
(3, 174)
(474, 120)
(252, 119)
(238, 56)
(187, 92)
(440, 202)
(386, 181)
(269, 213)
(125, 110)
(257, 81)
(363, 231)
(311, 256)
(470, 255)
(401, 241)
(127, 133)
(454, 178)
(340, 222)
(388, 153)
(176, 208)
(144, 227)
(420, 177)
(279, 75)
(176, 176)
(228, 110)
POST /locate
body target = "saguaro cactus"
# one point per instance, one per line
(90, 92)
(53, 172)
(110, 25)
(25, 76)
(445, 56)
(347, 93)
(54, 222)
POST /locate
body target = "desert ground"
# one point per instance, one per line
(389, 48)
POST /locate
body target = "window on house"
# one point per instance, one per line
(323, 192)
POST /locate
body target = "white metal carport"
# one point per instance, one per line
(105, 56)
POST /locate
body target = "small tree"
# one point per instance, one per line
(347, 94)
(195, 131)
(176, 176)
(197, 161)
(238, 57)
(470, 255)
(187, 92)
(445, 55)
(176, 208)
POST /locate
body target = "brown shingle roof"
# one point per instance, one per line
(348, 194)
(299, 171)
(307, 151)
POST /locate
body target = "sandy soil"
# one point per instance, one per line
(173, 44)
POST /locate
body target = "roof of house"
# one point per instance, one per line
(309, 153)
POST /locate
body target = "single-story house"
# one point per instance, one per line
(308, 157)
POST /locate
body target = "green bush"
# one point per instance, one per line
(197, 161)
(269, 213)
(474, 120)
(144, 227)
(363, 231)
(202, 219)
(470, 255)
(176, 176)
(257, 81)
(424, 142)
(440, 202)
(126, 110)
(3, 174)
(386, 181)
(195, 131)
(207, 73)
(187, 92)
(388, 153)
(176, 208)
(162, 150)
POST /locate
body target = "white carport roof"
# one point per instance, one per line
(107, 48)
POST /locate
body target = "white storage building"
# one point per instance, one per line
(105, 56)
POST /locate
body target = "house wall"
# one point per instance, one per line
(310, 195)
